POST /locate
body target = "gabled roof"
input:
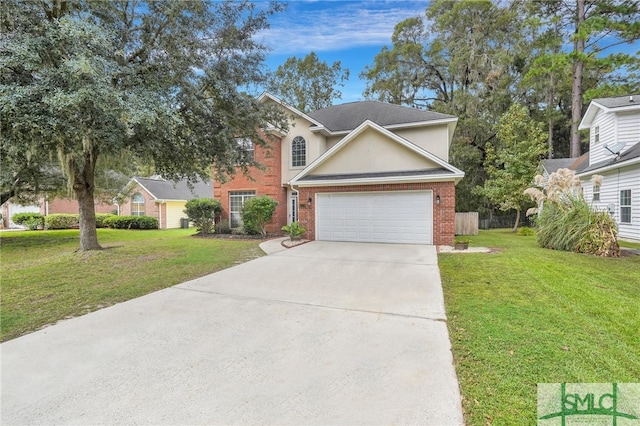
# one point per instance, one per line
(555, 164)
(627, 158)
(614, 104)
(574, 163)
(347, 117)
(165, 190)
(446, 171)
(266, 95)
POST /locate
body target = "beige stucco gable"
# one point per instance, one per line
(371, 152)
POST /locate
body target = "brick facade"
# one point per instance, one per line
(69, 206)
(151, 208)
(443, 213)
(263, 182)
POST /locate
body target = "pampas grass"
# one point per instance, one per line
(567, 222)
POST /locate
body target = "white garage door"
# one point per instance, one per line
(384, 217)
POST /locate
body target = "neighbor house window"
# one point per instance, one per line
(246, 151)
(137, 205)
(596, 192)
(625, 206)
(596, 136)
(298, 152)
(236, 201)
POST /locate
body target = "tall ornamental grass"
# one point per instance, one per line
(566, 221)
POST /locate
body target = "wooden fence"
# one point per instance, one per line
(467, 223)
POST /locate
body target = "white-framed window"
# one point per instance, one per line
(137, 205)
(294, 206)
(246, 151)
(298, 152)
(596, 192)
(236, 201)
(596, 134)
(625, 206)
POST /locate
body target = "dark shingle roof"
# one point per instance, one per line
(554, 164)
(169, 190)
(578, 164)
(629, 154)
(350, 115)
(619, 101)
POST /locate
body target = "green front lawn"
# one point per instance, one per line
(44, 280)
(526, 315)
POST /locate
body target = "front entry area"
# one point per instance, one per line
(380, 217)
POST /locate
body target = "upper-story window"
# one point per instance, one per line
(246, 150)
(137, 205)
(298, 152)
(596, 133)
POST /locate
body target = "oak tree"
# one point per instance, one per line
(156, 82)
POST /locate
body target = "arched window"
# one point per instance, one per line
(137, 205)
(298, 152)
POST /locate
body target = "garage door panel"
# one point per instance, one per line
(400, 217)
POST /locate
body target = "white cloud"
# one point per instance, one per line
(336, 25)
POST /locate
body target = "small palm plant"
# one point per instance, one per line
(294, 230)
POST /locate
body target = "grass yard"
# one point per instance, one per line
(44, 280)
(527, 315)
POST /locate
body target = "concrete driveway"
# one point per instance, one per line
(324, 333)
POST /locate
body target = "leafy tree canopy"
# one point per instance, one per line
(512, 160)
(308, 83)
(152, 82)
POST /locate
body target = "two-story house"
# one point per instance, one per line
(614, 154)
(362, 171)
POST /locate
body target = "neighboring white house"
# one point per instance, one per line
(614, 154)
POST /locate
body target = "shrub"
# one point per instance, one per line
(238, 230)
(100, 218)
(131, 222)
(223, 227)
(526, 231)
(256, 213)
(202, 212)
(30, 220)
(294, 230)
(61, 221)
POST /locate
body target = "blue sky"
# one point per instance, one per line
(351, 32)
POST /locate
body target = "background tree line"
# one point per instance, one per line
(474, 59)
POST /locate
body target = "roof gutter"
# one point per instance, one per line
(614, 166)
(378, 180)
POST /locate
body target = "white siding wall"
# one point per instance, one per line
(628, 128)
(615, 181)
(175, 211)
(607, 125)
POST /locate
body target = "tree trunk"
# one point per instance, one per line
(87, 220)
(550, 137)
(576, 88)
(515, 227)
(550, 96)
(83, 186)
